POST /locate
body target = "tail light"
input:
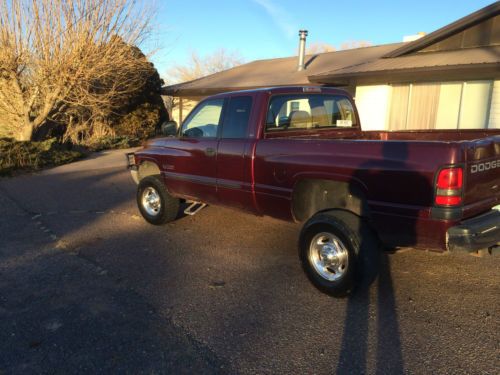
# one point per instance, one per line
(449, 185)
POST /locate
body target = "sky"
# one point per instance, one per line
(261, 29)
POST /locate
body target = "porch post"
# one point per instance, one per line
(180, 111)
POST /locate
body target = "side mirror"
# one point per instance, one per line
(169, 129)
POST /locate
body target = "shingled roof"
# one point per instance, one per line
(473, 63)
(277, 72)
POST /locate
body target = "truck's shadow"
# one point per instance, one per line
(384, 172)
(251, 321)
(354, 347)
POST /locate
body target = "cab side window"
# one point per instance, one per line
(235, 124)
(204, 120)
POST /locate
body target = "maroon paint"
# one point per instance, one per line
(395, 170)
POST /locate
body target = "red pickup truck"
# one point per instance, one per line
(299, 154)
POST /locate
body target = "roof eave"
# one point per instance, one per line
(200, 92)
(448, 30)
(441, 73)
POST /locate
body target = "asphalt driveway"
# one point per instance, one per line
(86, 285)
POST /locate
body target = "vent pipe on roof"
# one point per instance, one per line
(302, 49)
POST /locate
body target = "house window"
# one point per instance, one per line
(446, 105)
(295, 106)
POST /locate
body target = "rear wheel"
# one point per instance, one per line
(332, 246)
(155, 203)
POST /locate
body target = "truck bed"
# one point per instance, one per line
(430, 135)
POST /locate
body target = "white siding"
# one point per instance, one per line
(449, 105)
(187, 106)
(474, 105)
(372, 103)
(494, 122)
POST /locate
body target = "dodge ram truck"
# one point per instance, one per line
(299, 154)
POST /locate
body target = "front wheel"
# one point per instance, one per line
(155, 203)
(330, 250)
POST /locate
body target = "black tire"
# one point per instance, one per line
(168, 206)
(357, 242)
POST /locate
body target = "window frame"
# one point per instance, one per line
(227, 104)
(354, 126)
(194, 111)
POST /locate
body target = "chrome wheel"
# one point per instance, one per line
(328, 256)
(151, 201)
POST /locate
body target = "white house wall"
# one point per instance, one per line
(373, 103)
(187, 106)
(474, 105)
(494, 121)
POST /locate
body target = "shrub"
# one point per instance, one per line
(140, 123)
(25, 155)
(112, 143)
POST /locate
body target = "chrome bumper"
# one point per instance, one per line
(479, 232)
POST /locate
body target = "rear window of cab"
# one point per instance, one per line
(309, 111)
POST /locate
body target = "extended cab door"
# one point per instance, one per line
(193, 173)
(234, 155)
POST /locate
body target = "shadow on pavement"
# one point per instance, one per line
(59, 314)
(353, 354)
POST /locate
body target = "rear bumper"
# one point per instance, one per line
(480, 232)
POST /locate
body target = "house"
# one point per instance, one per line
(448, 79)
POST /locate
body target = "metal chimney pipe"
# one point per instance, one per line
(302, 49)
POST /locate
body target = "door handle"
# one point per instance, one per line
(210, 151)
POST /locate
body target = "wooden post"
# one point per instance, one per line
(180, 111)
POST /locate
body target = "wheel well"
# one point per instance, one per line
(148, 168)
(314, 195)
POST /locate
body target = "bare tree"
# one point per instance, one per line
(319, 47)
(60, 54)
(200, 66)
(322, 47)
(351, 44)
(197, 67)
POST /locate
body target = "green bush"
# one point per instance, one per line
(30, 156)
(139, 123)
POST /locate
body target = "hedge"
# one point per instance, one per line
(32, 156)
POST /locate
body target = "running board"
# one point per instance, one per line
(194, 207)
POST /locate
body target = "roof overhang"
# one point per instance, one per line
(448, 30)
(187, 92)
(179, 91)
(434, 73)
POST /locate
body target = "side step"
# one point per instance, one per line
(194, 208)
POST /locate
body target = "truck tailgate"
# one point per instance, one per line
(482, 175)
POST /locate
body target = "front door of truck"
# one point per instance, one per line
(193, 173)
(234, 155)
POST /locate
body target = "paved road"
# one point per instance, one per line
(87, 286)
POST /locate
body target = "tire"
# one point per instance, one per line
(155, 203)
(335, 249)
